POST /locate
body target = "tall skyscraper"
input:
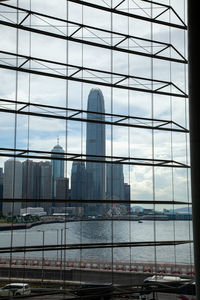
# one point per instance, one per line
(29, 182)
(12, 186)
(115, 182)
(127, 191)
(62, 187)
(45, 184)
(57, 166)
(115, 186)
(78, 181)
(95, 145)
(127, 194)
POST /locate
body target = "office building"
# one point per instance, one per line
(29, 180)
(78, 181)
(95, 145)
(62, 187)
(1, 188)
(127, 195)
(46, 184)
(127, 192)
(57, 166)
(115, 186)
(115, 182)
(12, 186)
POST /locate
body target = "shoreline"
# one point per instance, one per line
(18, 226)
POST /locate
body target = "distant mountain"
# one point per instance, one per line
(177, 210)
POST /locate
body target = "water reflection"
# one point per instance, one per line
(107, 231)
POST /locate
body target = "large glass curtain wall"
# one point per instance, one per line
(94, 140)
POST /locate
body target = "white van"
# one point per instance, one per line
(15, 289)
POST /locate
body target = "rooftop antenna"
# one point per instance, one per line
(57, 140)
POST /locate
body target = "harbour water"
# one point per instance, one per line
(107, 231)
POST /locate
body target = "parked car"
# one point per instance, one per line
(15, 289)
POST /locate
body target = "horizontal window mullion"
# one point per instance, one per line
(83, 246)
(135, 201)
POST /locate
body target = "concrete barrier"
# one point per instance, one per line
(136, 267)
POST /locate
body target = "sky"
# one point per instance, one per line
(42, 133)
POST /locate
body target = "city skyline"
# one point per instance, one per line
(89, 181)
(110, 79)
(59, 148)
(43, 132)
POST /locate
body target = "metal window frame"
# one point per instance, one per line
(122, 119)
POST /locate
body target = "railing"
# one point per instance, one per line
(136, 267)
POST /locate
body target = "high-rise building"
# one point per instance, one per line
(127, 191)
(57, 166)
(12, 186)
(95, 145)
(78, 181)
(1, 188)
(38, 181)
(115, 182)
(127, 195)
(62, 186)
(115, 188)
(29, 181)
(45, 183)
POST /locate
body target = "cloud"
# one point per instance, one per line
(41, 133)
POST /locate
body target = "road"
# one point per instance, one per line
(71, 275)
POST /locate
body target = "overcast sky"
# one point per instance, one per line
(41, 133)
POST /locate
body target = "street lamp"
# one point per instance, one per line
(61, 255)
(39, 230)
(57, 239)
(61, 238)
(61, 244)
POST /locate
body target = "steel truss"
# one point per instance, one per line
(120, 38)
(37, 154)
(112, 41)
(155, 20)
(59, 112)
(48, 68)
